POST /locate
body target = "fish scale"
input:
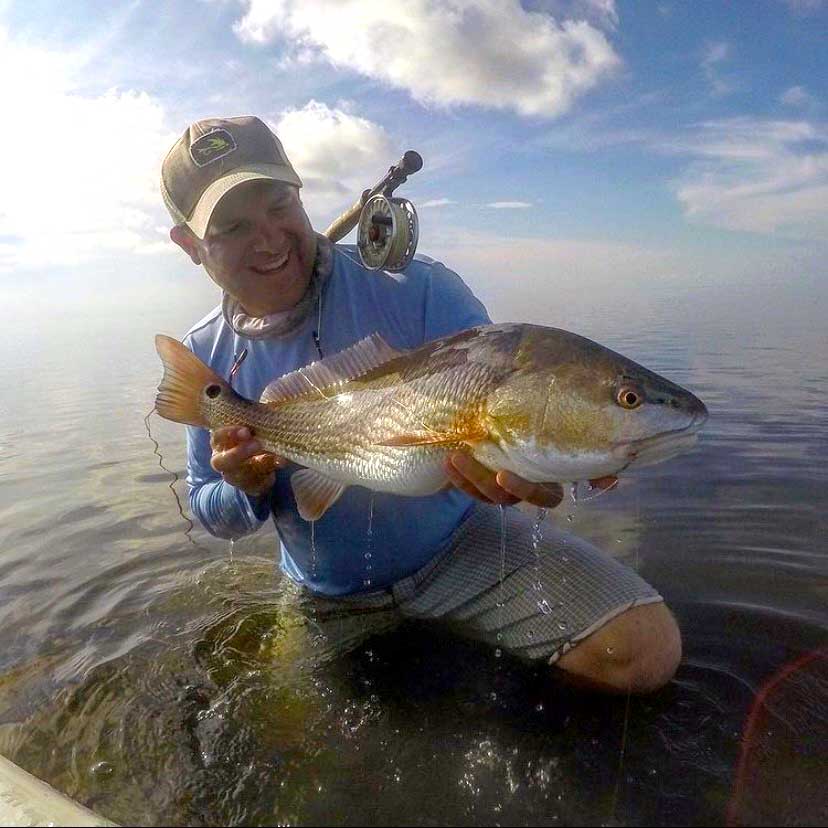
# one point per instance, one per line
(546, 404)
(339, 432)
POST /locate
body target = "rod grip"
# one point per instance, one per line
(340, 227)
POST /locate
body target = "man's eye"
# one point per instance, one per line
(233, 228)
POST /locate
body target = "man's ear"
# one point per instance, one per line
(184, 238)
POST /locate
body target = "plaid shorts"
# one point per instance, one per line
(532, 593)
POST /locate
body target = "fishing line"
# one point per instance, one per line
(316, 341)
(318, 332)
(598, 492)
(238, 359)
(623, 750)
(175, 479)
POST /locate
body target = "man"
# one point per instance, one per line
(291, 297)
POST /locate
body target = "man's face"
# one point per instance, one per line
(259, 246)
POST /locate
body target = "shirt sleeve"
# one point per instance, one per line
(450, 306)
(222, 509)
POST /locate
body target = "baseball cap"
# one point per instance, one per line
(212, 157)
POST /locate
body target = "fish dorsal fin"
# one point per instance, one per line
(334, 370)
(315, 492)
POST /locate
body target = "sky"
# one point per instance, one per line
(570, 147)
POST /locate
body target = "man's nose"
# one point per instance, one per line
(269, 236)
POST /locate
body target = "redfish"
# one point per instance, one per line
(544, 403)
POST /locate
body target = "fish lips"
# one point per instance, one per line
(665, 445)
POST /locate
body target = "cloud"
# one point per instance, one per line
(83, 182)
(797, 96)
(600, 13)
(336, 153)
(436, 202)
(491, 53)
(756, 175)
(744, 173)
(509, 205)
(805, 6)
(714, 55)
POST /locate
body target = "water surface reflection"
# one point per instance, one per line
(159, 678)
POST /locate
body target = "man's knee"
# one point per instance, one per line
(638, 651)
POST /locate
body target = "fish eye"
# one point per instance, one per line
(212, 391)
(629, 397)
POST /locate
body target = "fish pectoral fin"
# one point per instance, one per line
(433, 438)
(315, 492)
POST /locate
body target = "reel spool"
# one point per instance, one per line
(387, 234)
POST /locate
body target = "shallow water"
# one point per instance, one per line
(162, 678)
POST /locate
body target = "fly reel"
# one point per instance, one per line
(387, 234)
(388, 227)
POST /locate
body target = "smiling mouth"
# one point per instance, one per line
(273, 266)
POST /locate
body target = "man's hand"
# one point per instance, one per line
(239, 458)
(503, 487)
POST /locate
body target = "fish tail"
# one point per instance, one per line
(185, 377)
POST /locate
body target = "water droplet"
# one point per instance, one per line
(313, 548)
(570, 518)
(366, 582)
(537, 529)
(500, 636)
(498, 652)
(102, 769)
(493, 696)
(539, 707)
(562, 625)
(610, 651)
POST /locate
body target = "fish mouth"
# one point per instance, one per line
(665, 445)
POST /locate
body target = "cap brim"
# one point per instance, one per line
(218, 189)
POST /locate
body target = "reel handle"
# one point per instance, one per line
(410, 163)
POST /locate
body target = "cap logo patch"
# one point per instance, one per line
(211, 147)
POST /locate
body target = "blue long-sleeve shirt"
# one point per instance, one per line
(425, 302)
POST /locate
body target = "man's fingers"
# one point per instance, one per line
(546, 495)
(266, 463)
(482, 481)
(504, 488)
(464, 485)
(229, 436)
(520, 488)
(251, 482)
(231, 459)
(604, 483)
